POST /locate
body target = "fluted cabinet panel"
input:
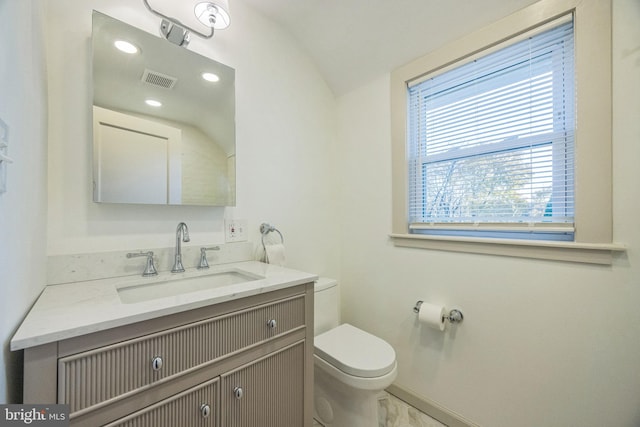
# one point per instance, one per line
(184, 409)
(272, 391)
(98, 376)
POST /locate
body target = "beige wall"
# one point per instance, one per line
(23, 206)
(543, 343)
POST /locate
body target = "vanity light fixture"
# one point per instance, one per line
(213, 14)
(210, 77)
(153, 103)
(125, 46)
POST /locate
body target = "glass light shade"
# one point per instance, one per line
(214, 14)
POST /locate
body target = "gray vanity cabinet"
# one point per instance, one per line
(244, 363)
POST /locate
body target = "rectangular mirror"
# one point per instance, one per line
(163, 121)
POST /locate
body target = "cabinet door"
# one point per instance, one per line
(196, 407)
(266, 393)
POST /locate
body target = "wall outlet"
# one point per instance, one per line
(235, 230)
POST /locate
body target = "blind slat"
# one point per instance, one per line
(491, 141)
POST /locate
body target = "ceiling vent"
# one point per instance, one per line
(155, 78)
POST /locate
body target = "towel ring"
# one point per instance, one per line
(266, 229)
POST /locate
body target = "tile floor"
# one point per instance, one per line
(393, 412)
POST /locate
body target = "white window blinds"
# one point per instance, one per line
(491, 141)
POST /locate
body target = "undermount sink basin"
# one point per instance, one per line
(150, 291)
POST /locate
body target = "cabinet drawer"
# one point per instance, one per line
(196, 407)
(106, 374)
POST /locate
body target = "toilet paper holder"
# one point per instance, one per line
(455, 316)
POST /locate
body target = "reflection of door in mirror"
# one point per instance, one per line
(136, 160)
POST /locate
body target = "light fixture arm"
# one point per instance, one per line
(176, 22)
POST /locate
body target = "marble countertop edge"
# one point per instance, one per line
(74, 309)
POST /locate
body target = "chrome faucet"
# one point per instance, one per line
(184, 230)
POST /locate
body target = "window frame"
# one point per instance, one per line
(593, 170)
(553, 140)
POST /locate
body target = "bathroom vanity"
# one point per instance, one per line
(235, 353)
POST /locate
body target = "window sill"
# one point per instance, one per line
(589, 253)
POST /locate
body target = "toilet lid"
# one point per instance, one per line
(355, 351)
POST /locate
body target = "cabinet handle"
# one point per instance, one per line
(156, 363)
(205, 410)
(238, 392)
(272, 323)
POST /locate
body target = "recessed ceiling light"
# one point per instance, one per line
(210, 77)
(125, 47)
(153, 103)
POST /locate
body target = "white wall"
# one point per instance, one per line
(205, 178)
(285, 117)
(542, 343)
(23, 206)
(285, 148)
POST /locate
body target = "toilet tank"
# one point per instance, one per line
(326, 305)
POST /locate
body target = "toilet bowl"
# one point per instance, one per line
(351, 366)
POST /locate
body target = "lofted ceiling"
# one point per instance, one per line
(355, 41)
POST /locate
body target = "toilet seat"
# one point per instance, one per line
(355, 352)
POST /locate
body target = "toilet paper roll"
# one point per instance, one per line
(432, 315)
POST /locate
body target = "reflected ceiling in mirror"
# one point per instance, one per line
(163, 122)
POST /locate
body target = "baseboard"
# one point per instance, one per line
(429, 407)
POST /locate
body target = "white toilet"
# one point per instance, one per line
(352, 367)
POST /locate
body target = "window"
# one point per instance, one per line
(527, 178)
(491, 142)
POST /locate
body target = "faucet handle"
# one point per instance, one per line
(150, 269)
(203, 256)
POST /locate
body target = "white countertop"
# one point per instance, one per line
(74, 309)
